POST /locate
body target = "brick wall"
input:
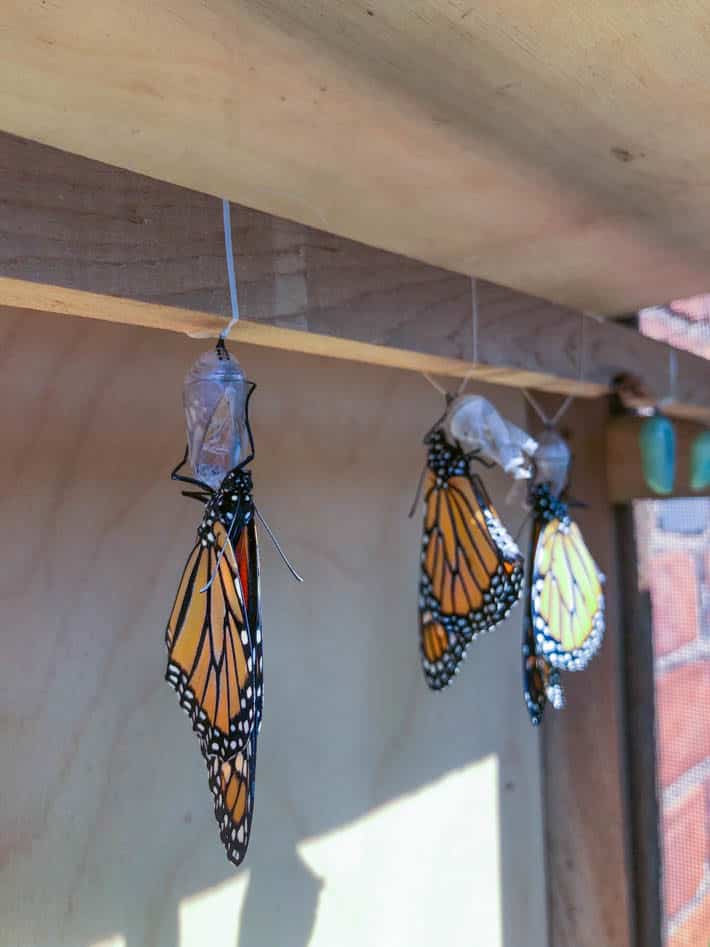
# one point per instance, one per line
(674, 536)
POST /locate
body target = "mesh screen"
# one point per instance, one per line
(674, 566)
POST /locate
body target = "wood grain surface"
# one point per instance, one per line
(82, 238)
(587, 827)
(385, 813)
(558, 149)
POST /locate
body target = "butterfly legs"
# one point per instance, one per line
(476, 455)
(205, 491)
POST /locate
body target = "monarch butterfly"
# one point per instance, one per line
(564, 621)
(471, 570)
(215, 648)
(541, 682)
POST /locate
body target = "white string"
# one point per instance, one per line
(474, 319)
(535, 404)
(474, 338)
(672, 377)
(435, 384)
(231, 276)
(466, 379)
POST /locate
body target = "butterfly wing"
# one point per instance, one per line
(247, 557)
(232, 781)
(541, 682)
(211, 647)
(533, 680)
(232, 786)
(567, 607)
(471, 572)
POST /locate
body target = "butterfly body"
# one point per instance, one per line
(231, 504)
(471, 570)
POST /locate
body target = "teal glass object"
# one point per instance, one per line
(658, 453)
(700, 462)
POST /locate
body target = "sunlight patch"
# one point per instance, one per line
(421, 870)
(212, 916)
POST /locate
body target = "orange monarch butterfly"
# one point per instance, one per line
(471, 570)
(215, 648)
(564, 621)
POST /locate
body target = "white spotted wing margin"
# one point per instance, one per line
(214, 657)
(232, 779)
(232, 785)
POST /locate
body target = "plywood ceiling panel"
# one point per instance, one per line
(560, 149)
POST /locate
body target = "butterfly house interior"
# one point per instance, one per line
(389, 231)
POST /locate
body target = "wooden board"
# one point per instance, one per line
(41, 299)
(586, 820)
(83, 238)
(639, 745)
(107, 834)
(623, 460)
(561, 150)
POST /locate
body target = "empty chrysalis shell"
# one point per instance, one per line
(476, 425)
(214, 396)
(552, 461)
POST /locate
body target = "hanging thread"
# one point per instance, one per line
(474, 348)
(474, 338)
(435, 384)
(231, 275)
(474, 319)
(535, 404)
(672, 377)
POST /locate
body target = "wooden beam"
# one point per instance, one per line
(520, 144)
(623, 460)
(586, 824)
(22, 294)
(82, 238)
(639, 746)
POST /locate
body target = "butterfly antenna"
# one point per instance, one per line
(280, 551)
(206, 587)
(418, 494)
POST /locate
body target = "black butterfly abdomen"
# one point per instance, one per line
(233, 500)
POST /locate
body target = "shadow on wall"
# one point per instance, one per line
(385, 814)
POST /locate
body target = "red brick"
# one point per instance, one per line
(674, 599)
(682, 700)
(684, 847)
(695, 932)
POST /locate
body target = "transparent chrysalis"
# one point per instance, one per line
(214, 396)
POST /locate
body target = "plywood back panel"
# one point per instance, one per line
(385, 814)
